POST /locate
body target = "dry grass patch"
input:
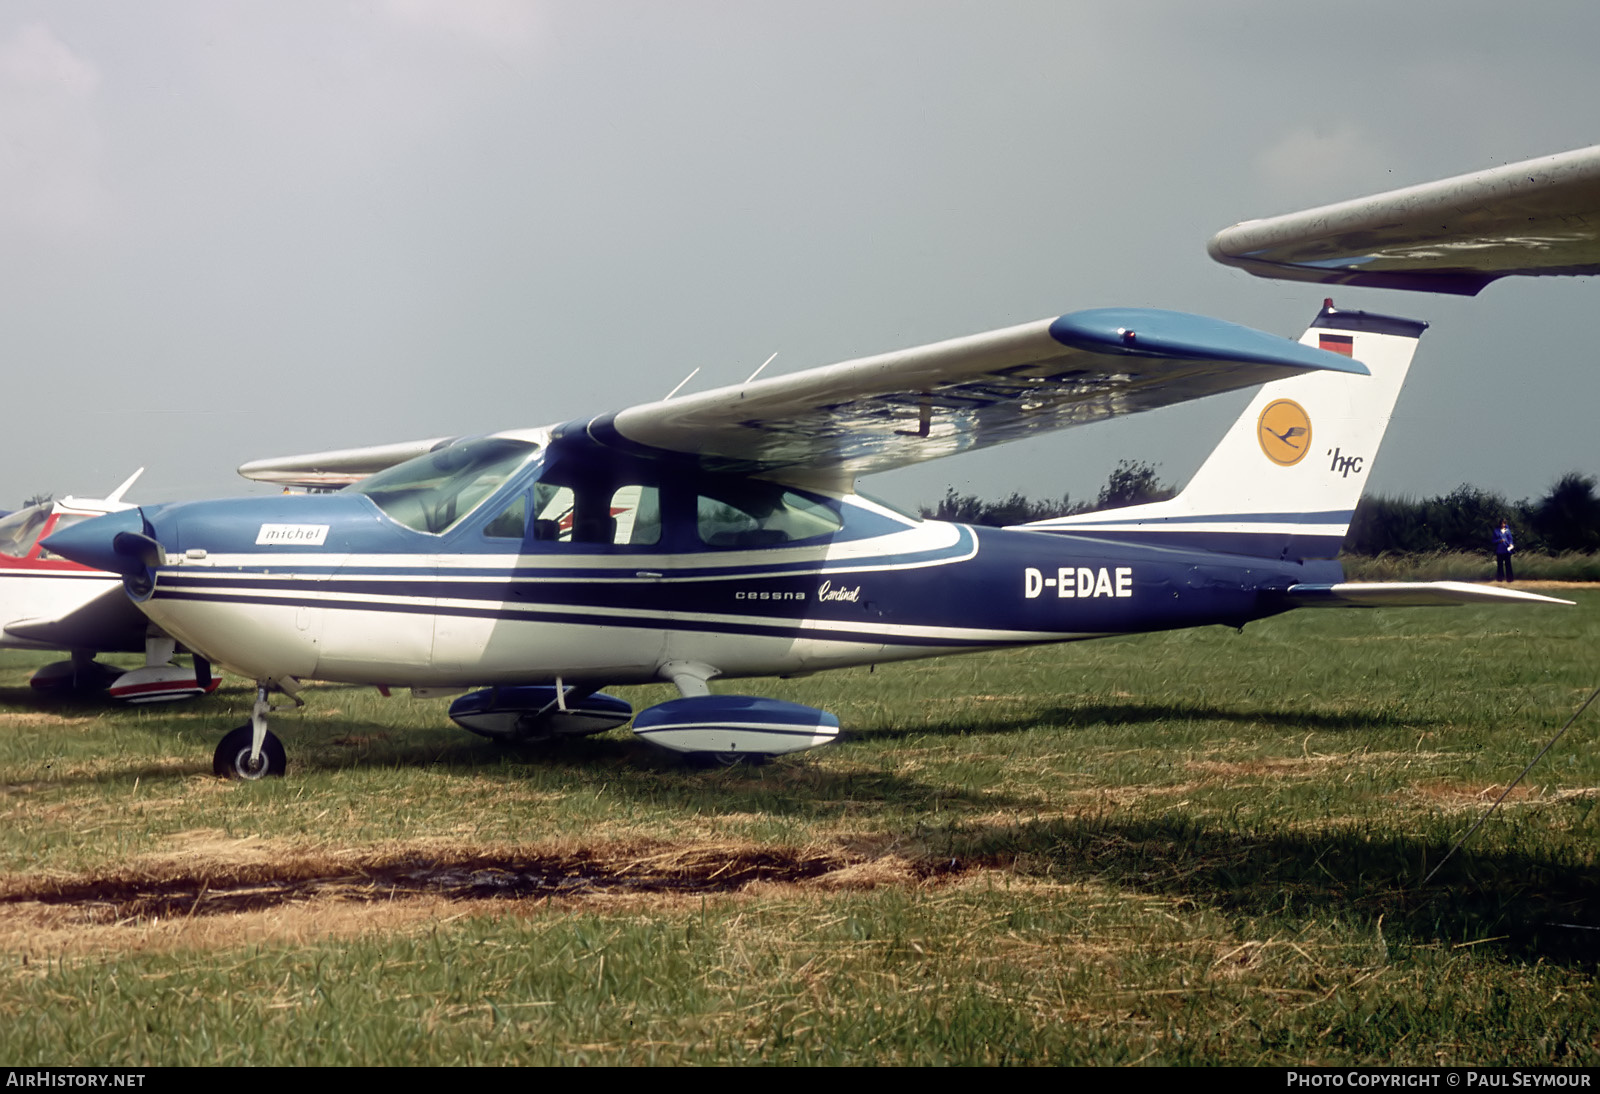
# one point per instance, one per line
(210, 890)
(1459, 794)
(37, 931)
(41, 718)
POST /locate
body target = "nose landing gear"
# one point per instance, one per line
(252, 751)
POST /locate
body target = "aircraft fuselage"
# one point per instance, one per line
(331, 588)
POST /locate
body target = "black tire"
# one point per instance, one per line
(232, 758)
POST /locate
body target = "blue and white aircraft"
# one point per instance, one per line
(719, 535)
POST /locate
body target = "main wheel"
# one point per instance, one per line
(232, 758)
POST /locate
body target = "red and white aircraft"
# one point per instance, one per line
(50, 603)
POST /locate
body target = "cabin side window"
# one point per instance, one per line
(749, 513)
(628, 515)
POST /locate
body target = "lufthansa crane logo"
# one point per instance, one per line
(1284, 431)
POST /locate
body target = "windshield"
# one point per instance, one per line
(20, 531)
(434, 493)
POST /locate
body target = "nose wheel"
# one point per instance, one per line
(235, 758)
(252, 752)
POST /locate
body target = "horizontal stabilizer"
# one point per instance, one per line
(1285, 479)
(1408, 594)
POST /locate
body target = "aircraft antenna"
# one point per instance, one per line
(1592, 695)
(681, 382)
(764, 364)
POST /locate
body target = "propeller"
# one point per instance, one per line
(120, 543)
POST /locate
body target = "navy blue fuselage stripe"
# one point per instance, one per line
(962, 547)
(1110, 517)
(638, 595)
(1247, 545)
(772, 630)
(676, 727)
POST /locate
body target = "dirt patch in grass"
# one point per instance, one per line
(212, 890)
(35, 931)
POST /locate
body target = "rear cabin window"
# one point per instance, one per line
(751, 513)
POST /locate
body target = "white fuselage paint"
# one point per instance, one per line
(429, 641)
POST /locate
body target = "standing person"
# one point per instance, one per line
(1503, 546)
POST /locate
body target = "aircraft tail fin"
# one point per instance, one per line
(1285, 479)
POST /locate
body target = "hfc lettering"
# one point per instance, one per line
(1344, 464)
(1079, 582)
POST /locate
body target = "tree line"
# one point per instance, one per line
(1130, 483)
(1564, 518)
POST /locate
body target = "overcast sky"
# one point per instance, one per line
(235, 230)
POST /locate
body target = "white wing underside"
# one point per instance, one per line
(824, 426)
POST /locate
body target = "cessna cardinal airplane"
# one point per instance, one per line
(50, 603)
(717, 535)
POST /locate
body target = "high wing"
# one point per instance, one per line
(878, 413)
(1454, 235)
(827, 425)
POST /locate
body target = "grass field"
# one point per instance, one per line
(1471, 566)
(1198, 847)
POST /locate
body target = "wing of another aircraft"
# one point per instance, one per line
(106, 621)
(329, 470)
(827, 425)
(1455, 235)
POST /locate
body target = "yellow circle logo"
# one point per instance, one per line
(1284, 431)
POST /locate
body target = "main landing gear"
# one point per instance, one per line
(727, 730)
(252, 751)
